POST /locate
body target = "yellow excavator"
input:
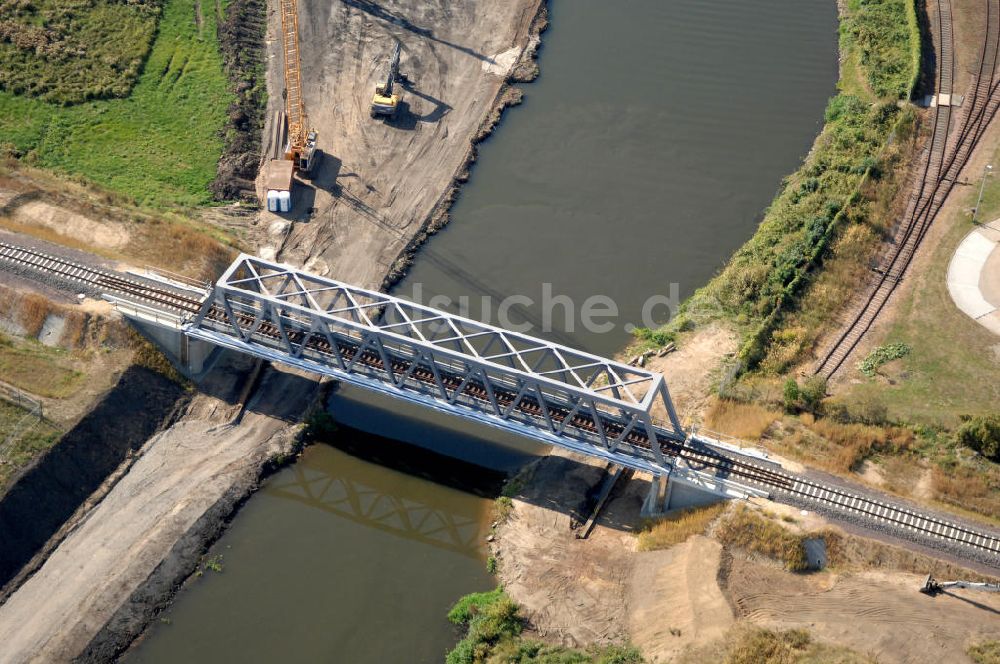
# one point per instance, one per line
(385, 101)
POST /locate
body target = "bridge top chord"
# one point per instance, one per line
(459, 338)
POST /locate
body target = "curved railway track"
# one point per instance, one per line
(695, 454)
(943, 162)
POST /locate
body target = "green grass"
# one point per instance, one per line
(35, 440)
(159, 146)
(38, 369)
(69, 51)
(495, 624)
(951, 368)
(883, 36)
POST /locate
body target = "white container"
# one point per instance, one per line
(272, 201)
(284, 201)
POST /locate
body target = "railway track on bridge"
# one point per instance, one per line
(943, 162)
(695, 454)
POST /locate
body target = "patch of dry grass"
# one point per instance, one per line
(748, 421)
(853, 443)
(32, 311)
(747, 529)
(986, 652)
(849, 552)
(677, 526)
(38, 369)
(968, 488)
(748, 644)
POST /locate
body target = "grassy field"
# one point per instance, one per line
(22, 450)
(69, 52)
(160, 145)
(39, 369)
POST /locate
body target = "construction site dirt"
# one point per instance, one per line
(381, 183)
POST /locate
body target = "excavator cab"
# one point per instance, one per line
(307, 157)
(385, 101)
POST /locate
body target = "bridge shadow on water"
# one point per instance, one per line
(376, 501)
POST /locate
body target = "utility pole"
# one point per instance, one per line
(986, 171)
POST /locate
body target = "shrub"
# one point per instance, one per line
(657, 337)
(875, 359)
(790, 395)
(982, 434)
(812, 393)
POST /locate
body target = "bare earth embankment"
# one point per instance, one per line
(379, 187)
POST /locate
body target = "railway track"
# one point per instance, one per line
(943, 162)
(693, 453)
(98, 280)
(697, 456)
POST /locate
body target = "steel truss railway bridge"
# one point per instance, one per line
(535, 388)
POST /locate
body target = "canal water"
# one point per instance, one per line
(640, 160)
(642, 157)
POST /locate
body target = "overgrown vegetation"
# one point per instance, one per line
(677, 526)
(748, 644)
(160, 145)
(69, 51)
(884, 36)
(986, 652)
(745, 528)
(882, 355)
(494, 626)
(982, 434)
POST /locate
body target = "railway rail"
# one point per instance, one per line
(693, 452)
(943, 162)
(96, 279)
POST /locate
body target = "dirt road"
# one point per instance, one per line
(380, 181)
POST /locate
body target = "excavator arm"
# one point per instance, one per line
(933, 587)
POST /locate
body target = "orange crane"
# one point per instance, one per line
(300, 151)
(301, 145)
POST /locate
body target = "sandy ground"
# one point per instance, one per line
(379, 181)
(666, 602)
(691, 370)
(880, 614)
(115, 553)
(675, 601)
